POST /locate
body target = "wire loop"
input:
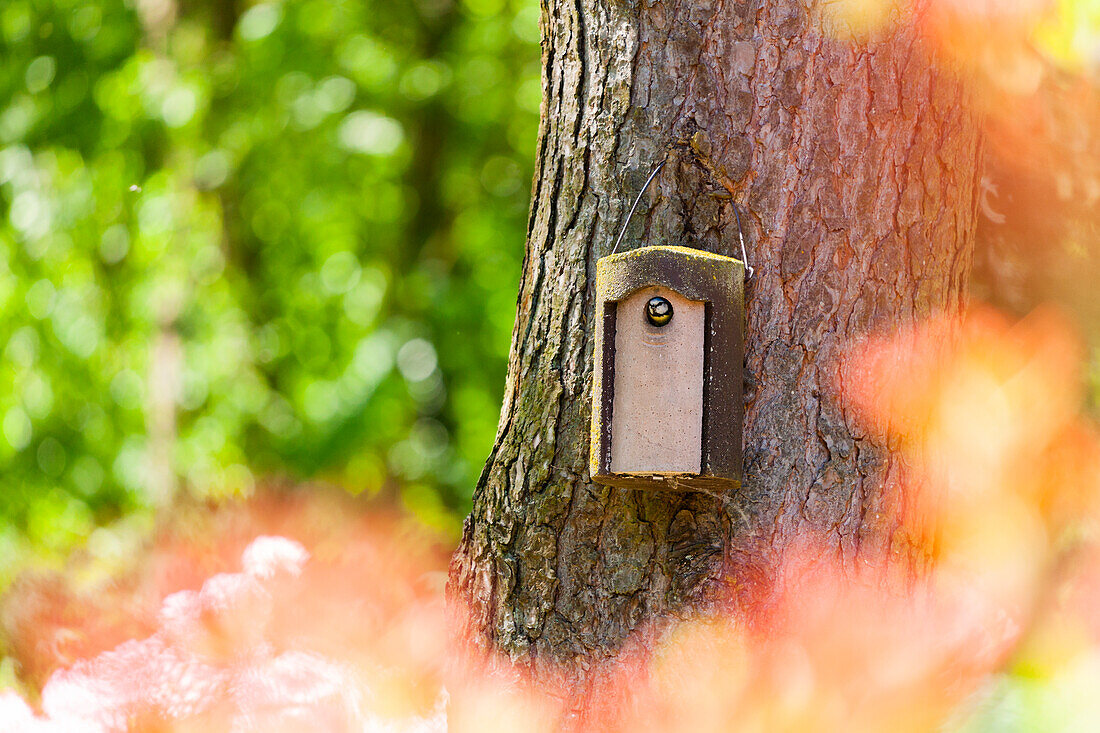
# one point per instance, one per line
(645, 187)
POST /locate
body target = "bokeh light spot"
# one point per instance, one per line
(417, 360)
(371, 133)
(40, 74)
(259, 21)
(17, 428)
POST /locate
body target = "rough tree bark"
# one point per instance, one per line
(855, 166)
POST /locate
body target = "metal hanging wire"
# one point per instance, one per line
(638, 200)
(741, 238)
(645, 187)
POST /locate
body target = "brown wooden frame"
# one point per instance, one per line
(716, 280)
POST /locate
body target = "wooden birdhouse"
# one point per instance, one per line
(666, 402)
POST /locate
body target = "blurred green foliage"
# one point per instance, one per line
(252, 240)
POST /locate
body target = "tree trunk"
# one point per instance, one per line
(855, 167)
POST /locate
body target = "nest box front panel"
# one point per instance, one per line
(657, 413)
(667, 384)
